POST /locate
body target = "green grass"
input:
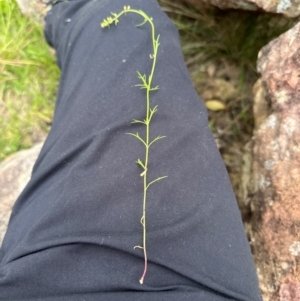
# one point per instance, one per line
(28, 80)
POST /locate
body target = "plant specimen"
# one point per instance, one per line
(146, 83)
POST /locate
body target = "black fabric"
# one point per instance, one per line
(73, 230)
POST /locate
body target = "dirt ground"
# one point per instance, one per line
(232, 127)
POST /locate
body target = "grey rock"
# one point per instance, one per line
(35, 9)
(15, 172)
(275, 200)
(289, 8)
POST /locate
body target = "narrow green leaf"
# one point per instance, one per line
(141, 24)
(138, 137)
(154, 109)
(142, 86)
(143, 79)
(138, 121)
(139, 162)
(152, 112)
(156, 180)
(156, 139)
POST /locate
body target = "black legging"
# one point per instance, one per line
(73, 230)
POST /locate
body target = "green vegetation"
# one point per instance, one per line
(146, 84)
(28, 80)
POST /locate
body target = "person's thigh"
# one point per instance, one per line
(73, 230)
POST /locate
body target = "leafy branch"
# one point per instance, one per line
(146, 84)
(137, 136)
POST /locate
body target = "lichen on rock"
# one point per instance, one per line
(275, 203)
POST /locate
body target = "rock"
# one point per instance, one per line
(15, 173)
(35, 9)
(289, 8)
(224, 4)
(275, 199)
(261, 104)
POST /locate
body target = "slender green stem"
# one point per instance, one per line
(146, 84)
